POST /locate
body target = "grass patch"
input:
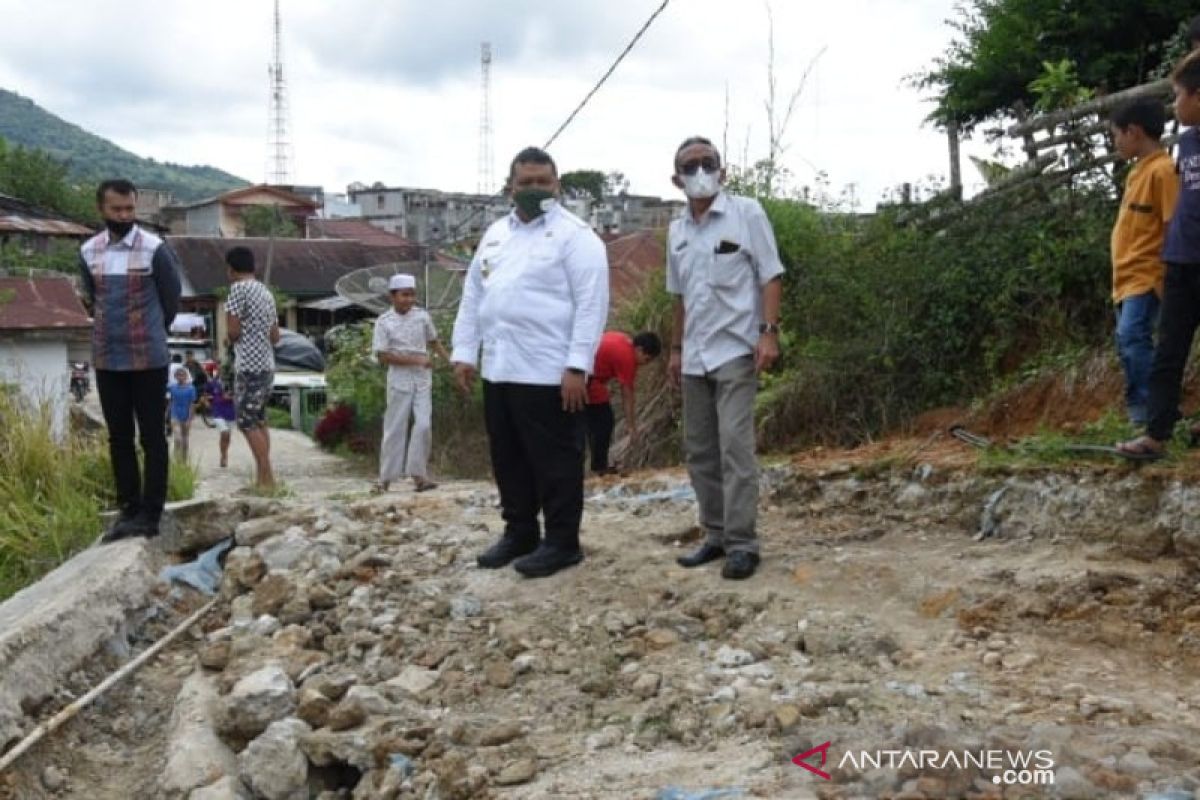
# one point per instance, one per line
(53, 492)
(279, 491)
(182, 479)
(1052, 447)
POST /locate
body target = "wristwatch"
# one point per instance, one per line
(768, 327)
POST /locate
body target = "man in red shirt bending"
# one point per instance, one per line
(618, 357)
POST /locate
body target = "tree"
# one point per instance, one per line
(268, 221)
(37, 178)
(1003, 47)
(615, 183)
(582, 182)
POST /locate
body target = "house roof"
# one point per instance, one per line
(38, 304)
(17, 216)
(301, 267)
(357, 229)
(632, 260)
(237, 197)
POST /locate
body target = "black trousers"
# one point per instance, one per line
(129, 398)
(600, 424)
(1177, 323)
(537, 458)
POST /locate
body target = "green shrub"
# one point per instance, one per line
(883, 321)
(279, 418)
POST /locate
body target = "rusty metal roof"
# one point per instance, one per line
(303, 268)
(33, 304)
(17, 216)
(632, 259)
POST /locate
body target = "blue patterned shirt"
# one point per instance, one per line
(132, 286)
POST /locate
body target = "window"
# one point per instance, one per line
(379, 201)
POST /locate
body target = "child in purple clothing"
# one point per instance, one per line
(223, 413)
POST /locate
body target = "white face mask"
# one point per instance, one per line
(702, 185)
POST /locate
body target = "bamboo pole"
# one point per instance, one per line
(64, 716)
(1092, 129)
(1097, 106)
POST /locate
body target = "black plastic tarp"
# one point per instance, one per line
(296, 352)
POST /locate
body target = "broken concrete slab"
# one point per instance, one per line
(196, 756)
(49, 629)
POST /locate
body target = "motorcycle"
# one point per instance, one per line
(80, 380)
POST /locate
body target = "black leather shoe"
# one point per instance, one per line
(705, 554)
(145, 525)
(546, 561)
(740, 565)
(502, 553)
(123, 528)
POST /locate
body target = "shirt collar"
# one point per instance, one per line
(516, 223)
(720, 206)
(128, 241)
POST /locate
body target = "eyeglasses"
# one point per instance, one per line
(709, 163)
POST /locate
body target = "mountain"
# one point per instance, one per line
(90, 159)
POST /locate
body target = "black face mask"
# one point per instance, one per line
(118, 230)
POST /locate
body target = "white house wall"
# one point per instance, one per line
(39, 369)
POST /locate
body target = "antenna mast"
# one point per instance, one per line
(279, 149)
(486, 181)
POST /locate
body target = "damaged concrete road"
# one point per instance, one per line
(357, 651)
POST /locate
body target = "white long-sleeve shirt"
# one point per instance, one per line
(535, 300)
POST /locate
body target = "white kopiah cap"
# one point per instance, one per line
(402, 281)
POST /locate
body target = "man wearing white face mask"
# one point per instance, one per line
(534, 301)
(723, 268)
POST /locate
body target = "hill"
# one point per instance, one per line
(90, 158)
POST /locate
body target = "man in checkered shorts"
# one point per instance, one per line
(253, 324)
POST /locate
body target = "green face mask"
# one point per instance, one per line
(532, 203)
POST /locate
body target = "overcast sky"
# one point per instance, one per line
(390, 91)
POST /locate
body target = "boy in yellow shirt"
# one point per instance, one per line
(1147, 203)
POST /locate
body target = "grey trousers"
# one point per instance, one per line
(403, 453)
(718, 437)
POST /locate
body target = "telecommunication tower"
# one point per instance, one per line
(279, 148)
(486, 181)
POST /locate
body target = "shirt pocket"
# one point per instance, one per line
(543, 273)
(140, 263)
(729, 270)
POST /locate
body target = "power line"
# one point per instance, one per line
(610, 71)
(452, 235)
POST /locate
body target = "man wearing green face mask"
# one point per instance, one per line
(535, 302)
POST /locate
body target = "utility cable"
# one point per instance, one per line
(604, 77)
(452, 236)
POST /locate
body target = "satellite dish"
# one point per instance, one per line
(367, 287)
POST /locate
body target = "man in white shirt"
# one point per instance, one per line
(535, 301)
(723, 268)
(403, 338)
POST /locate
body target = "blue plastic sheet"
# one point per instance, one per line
(403, 764)
(676, 793)
(204, 573)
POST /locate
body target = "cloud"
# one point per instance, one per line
(437, 42)
(390, 91)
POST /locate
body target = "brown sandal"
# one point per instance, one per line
(1143, 448)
